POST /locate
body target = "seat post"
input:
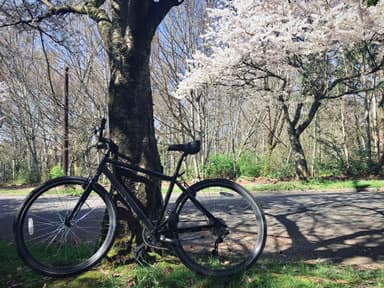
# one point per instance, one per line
(179, 163)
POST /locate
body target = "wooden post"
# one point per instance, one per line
(65, 125)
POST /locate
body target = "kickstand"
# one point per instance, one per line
(138, 253)
(141, 256)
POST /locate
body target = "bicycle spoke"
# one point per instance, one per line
(55, 245)
(229, 243)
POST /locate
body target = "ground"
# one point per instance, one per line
(344, 227)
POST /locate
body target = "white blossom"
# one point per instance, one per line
(269, 32)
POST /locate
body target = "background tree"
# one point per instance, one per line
(252, 41)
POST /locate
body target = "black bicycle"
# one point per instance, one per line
(68, 224)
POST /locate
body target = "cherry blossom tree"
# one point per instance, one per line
(296, 43)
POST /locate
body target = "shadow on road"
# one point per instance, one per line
(345, 227)
(8, 208)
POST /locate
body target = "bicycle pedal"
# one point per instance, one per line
(166, 240)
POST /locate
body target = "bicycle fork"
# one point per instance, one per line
(68, 222)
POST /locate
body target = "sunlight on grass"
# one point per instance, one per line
(317, 184)
(168, 272)
(313, 184)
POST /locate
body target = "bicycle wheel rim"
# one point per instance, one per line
(48, 245)
(241, 243)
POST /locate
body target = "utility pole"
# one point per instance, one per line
(65, 125)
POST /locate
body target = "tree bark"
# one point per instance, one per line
(295, 129)
(301, 166)
(128, 43)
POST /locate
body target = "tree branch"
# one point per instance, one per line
(160, 9)
(356, 91)
(297, 114)
(92, 9)
(312, 112)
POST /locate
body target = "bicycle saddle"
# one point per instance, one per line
(189, 148)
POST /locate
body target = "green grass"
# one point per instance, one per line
(60, 190)
(62, 255)
(15, 191)
(170, 273)
(314, 184)
(318, 184)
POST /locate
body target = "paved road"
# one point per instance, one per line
(343, 227)
(8, 209)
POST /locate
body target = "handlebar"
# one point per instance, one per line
(107, 143)
(102, 142)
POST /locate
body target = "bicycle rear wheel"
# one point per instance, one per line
(218, 250)
(52, 246)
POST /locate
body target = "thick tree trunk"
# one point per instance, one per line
(301, 166)
(132, 127)
(127, 39)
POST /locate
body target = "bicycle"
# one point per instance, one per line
(68, 224)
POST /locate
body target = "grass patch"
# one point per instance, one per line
(314, 184)
(168, 272)
(317, 184)
(22, 191)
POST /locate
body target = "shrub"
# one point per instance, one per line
(56, 171)
(283, 171)
(25, 175)
(249, 165)
(330, 168)
(221, 166)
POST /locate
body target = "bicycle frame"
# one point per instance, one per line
(129, 197)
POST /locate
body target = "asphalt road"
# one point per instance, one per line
(8, 209)
(342, 227)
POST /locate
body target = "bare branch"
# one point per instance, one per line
(357, 91)
(88, 8)
(312, 112)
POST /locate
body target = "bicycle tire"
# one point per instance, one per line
(214, 252)
(54, 249)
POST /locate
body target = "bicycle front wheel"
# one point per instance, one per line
(224, 249)
(54, 245)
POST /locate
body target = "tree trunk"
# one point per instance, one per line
(127, 39)
(316, 130)
(267, 161)
(343, 132)
(132, 127)
(294, 130)
(367, 127)
(301, 166)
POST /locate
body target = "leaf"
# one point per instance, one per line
(130, 284)
(168, 270)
